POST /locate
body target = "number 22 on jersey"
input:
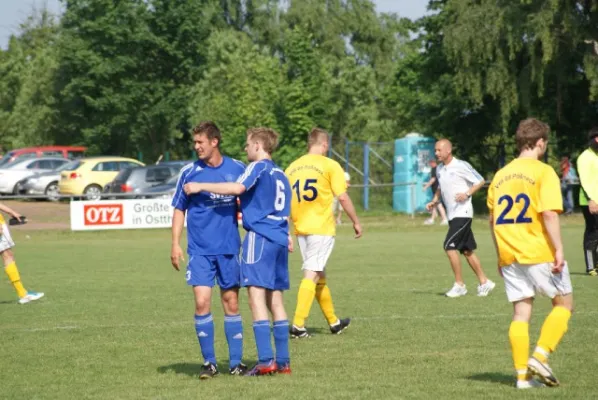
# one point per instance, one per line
(521, 218)
(306, 191)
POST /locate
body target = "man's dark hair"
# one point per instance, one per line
(210, 129)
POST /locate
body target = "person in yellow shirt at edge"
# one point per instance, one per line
(8, 258)
(315, 181)
(587, 168)
(524, 200)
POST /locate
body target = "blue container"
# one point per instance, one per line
(411, 165)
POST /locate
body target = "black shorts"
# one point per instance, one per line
(460, 236)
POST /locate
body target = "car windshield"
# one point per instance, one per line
(70, 166)
(6, 158)
(172, 180)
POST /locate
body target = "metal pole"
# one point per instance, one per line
(412, 188)
(366, 175)
(329, 145)
(347, 148)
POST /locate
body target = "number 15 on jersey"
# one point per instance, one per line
(306, 191)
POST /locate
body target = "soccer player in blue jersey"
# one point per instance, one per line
(265, 203)
(213, 246)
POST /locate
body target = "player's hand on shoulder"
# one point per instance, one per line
(192, 188)
(176, 255)
(358, 230)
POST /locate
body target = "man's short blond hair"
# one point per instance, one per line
(317, 136)
(266, 136)
(529, 131)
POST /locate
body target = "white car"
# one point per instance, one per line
(13, 174)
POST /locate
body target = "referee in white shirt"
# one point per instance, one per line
(458, 181)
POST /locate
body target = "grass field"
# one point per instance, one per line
(117, 323)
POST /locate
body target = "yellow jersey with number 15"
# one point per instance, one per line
(517, 196)
(315, 181)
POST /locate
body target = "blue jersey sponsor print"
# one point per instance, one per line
(211, 218)
(266, 202)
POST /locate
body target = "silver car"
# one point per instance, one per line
(14, 173)
(46, 183)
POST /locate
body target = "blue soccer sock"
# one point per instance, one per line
(281, 341)
(204, 327)
(261, 330)
(233, 329)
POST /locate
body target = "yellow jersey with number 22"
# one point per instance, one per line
(315, 181)
(517, 196)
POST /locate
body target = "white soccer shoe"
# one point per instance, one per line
(30, 296)
(457, 291)
(529, 384)
(444, 222)
(485, 289)
(542, 372)
(429, 221)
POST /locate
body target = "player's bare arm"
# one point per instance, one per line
(553, 228)
(347, 204)
(10, 211)
(435, 200)
(593, 206)
(176, 253)
(226, 188)
(461, 197)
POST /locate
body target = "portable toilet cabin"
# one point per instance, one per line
(411, 170)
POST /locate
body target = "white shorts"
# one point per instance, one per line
(315, 250)
(525, 281)
(5, 239)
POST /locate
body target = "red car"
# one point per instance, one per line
(70, 152)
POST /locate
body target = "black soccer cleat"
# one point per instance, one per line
(298, 333)
(208, 370)
(340, 326)
(238, 370)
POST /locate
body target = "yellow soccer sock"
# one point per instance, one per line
(552, 332)
(325, 299)
(13, 274)
(519, 338)
(305, 298)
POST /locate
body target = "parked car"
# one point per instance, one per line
(46, 183)
(137, 180)
(163, 191)
(70, 152)
(13, 173)
(92, 174)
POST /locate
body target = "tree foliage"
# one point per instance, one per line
(131, 76)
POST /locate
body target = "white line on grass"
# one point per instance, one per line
(371, 318)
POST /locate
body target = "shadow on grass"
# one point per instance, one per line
(581, 273)
(193, 369)
(494, 377)
(8, 302)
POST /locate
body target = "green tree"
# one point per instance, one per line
(27, 69)
(531, 57)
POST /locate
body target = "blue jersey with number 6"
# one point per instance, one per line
(266, 202)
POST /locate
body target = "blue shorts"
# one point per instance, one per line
(264, 263)
(204, 270)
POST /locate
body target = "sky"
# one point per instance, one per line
(12, 12)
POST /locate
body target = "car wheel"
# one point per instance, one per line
(93, 192)
(17, 188)
(52, 191)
